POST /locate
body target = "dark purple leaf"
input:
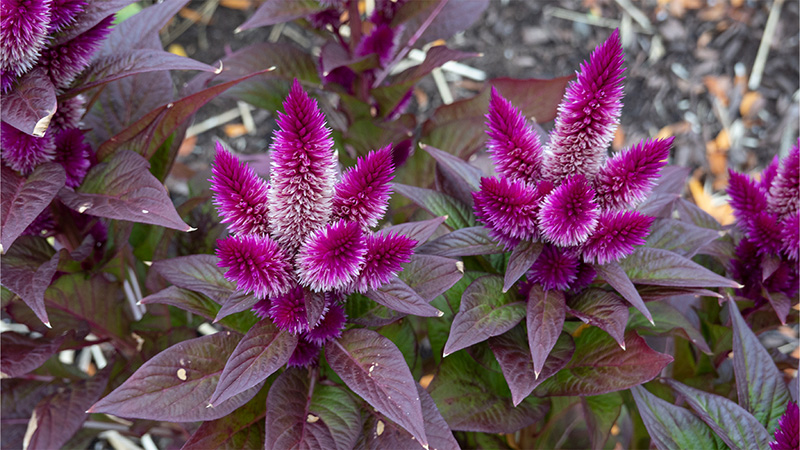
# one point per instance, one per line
(123, 188)
(691, 213)
(735, 426)
(680, 237)
(20, 397)
(22, 354)
(23, 199)
(522, 258)
(237, 302)
(262, 351)
(671, 426)
(380, 433)
(463, 242)
(458, 215)
(30, 106)
(305, 415)
(781, 303)
(454, 17)
(600, 366)
(485, 312)
(759, 384)
(28, 268)
(468, 399)
(457, 168)
(176, 384)
(670, 321)
(315, 307)
(92, 14)
(430, 275)
(136, 31)
(653, 293)
(184, 299)
(272, 12)
(545, 316)
(666, 192)
(57, 417)
(149, 132)
(400, 297)
(333, 56)
(618, 279)
(199, 273)
(603, 309)
(513, 353)
(601, 412)
(420, 231)
(241, 429)
(663, 268)
(371, 366)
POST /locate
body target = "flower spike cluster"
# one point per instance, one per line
(304, 239)
(787, 435)
(569, 195)
(767, 212)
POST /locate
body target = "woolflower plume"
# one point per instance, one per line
(305, 238)
(568, 194)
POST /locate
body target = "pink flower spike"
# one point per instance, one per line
(23, 29)
(382, 261)
(747, 198)
(509, 208)
(362, 195)
(329, 327)
(72, 152)
(66, 61)
(331, 257)
(790, 236)
(765, 231)
(288, 311)
(616, 234)
(588, 115)
(256, 264)
(23, 152)
(64, 12)
(261, 308)
(787, 436)
(305, 354)
(555, 268)
(239, 195)
(769, 173)
(303, 170)
(513, 145)
(784, 194)
(628, 177)
(569, 214)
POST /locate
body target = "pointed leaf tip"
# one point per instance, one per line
(47, 324)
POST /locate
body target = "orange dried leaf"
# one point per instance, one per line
(619, 140)
(234, 130)
(187, 146)
(241, 5)
(425, 381)
(751, 104)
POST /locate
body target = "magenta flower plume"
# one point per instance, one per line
(616, 234)
(288, 311)
(628, 178)
(385, 254)
(239, 195)
(784, 193)
(790, 236)
(63, 13)
(23, 28)
(331, 257)
(22, 152)
(256, 264)
(303, 171)
(513, 145)
(330, 326)
(769, 173)
(72, 152)
(569, 214)
(69, 113)
(381, 41)
(362, 195)
(64, 62)
(305, 354)
(747, 197)
(509, 208)
(261, 308)
(588, 115)
(787, 435)
(555, 268)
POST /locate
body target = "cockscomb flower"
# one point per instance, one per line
(588, 116)
(72, 152)
(63, 13)
(570, 196)
(23, 152)
(64, 62)
(303, 242)
(23, 28)
(787, 435)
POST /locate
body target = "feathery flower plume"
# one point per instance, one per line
(330, 258)
(790, 236)
(304, 354)
(509, 208)
(569, 214)
(513, 145)
(616, 234)
(256, 264)
(240, 195)
(385, 253)
(64, 62)
(555, 269)
(787, 436)
(629, 176)
(362, 195)
(303, 171)
(769, 173)
(69, 113)
(288, 311)
(261, 308)
(22, 152)
(588, 115)
(784, 192)
(330, 326)
(23, 28)
(72, 152)
(63, 13)
(747, 197)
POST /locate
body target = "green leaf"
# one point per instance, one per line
(658, 267)
(603, 309)
(601, 412)
(243, 428)
(669, 320)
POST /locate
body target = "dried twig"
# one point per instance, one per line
(763, 48)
